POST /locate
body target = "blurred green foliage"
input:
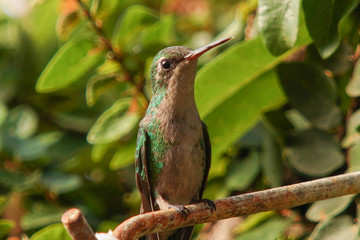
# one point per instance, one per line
(281, 103)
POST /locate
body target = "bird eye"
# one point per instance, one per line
(165, 64)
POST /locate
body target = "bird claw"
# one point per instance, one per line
(184, 211)
(209, 204)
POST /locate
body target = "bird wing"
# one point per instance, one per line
(207, 158)
(142, 174)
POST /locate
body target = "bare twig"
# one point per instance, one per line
(76, 225)
(107, 43)
(139, 87)
(246, 204)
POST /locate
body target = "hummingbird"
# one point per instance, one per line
(173, 151)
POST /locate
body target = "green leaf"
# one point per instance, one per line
(354, 157)
(99, 150)
(271, 161)
(41, 214)
(234, 89)
(314, 152)
(338, 63)
(353, 87)
(130, 25)
(352, 133)
(66, 23)
(97, 85)
(5, 227)
(53, 232)
(124, 156)
(270, 230)
(115, 123)
(243, 173)
(277, 122)
(297, 120)
(253, 220)
(328, 208)
(326, 230)
(60, 183)
(22, 122)
(3, 113)
(101, 9)
(161, 32)
(71, 62)
(278, 24)
(241, 111)
(322, 20)
(312, 93)
(36, 147)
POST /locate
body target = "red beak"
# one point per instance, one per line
(198, 52)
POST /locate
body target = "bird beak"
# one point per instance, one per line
(198, 52)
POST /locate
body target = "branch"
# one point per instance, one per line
(139, 87)
(239, 205)
(76, 225)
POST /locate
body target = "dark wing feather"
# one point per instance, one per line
(207, 158)
(142, 175)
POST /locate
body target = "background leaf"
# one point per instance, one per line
(312, 93)
(56, 232)
(313, 152)
(322, 20)
(70, 63)
(328, 208)
(113, 124)
(5, 227)
(278, 24)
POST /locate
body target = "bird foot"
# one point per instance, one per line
(209, 204)
(181, 209)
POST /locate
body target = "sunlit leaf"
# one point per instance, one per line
(5, 227)
(131, 23)
(113, 124)
(326, 230)
(270, 230)
(66, 23)
(313, 152)
(352, 133)
(253, 221)
(74, 59)
(322, 20)
(328, 208)
(99, 150)
(101, 9)
(230, 90)
(278, 23)
(354, 157)
(312, 93)
(54, 232)
(3, 113)
(124, 156)
(353, 88)
(161, 32)
(97, 85)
